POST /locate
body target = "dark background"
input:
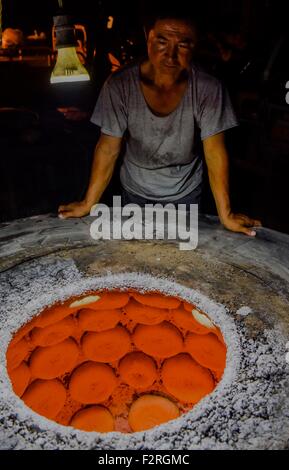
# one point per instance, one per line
(45, 159)
(257, 16)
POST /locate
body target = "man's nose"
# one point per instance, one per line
(172, 51)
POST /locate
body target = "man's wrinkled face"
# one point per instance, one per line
(170, 44)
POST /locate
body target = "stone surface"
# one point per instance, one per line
(231, 269)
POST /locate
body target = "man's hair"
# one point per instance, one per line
(172, 13)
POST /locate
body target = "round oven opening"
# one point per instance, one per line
(116, 360)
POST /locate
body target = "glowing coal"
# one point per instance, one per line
(112, 360)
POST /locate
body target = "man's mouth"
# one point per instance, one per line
(170, 65)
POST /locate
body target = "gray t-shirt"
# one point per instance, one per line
(162, 155)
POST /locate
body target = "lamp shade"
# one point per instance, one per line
(68, 67)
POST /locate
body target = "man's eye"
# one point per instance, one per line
(162, 41)
(184, 45)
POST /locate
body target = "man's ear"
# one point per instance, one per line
(147, 32)
(150, 35)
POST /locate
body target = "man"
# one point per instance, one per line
(163, 107)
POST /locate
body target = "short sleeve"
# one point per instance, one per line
(215, 111)
(110, 112)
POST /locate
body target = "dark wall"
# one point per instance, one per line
(256, 17)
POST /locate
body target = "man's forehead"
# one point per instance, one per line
(172, 27)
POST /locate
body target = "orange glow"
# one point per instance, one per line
(185, 379)
(163, 340)
(116, 360)
(150, 410)
(95, 418)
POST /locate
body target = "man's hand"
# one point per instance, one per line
(241, 223)
(73, 114)
(218, 169)
(74, 209)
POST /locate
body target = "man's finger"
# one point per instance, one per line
(248, 221)
(66, 207)
(62, 208)
(251, 222)
(66, 214)
(247, 231)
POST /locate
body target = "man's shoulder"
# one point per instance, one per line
(203, 80)
(123, 75)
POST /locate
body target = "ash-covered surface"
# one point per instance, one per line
(248, 410)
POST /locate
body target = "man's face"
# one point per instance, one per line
(170, 44)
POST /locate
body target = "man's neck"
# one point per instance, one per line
(162, 81)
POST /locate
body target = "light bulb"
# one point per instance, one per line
(68, 67)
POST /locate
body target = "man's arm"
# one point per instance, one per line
(105, 155)
(217, 160)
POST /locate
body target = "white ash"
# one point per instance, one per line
(249, 409)
(244, 311)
